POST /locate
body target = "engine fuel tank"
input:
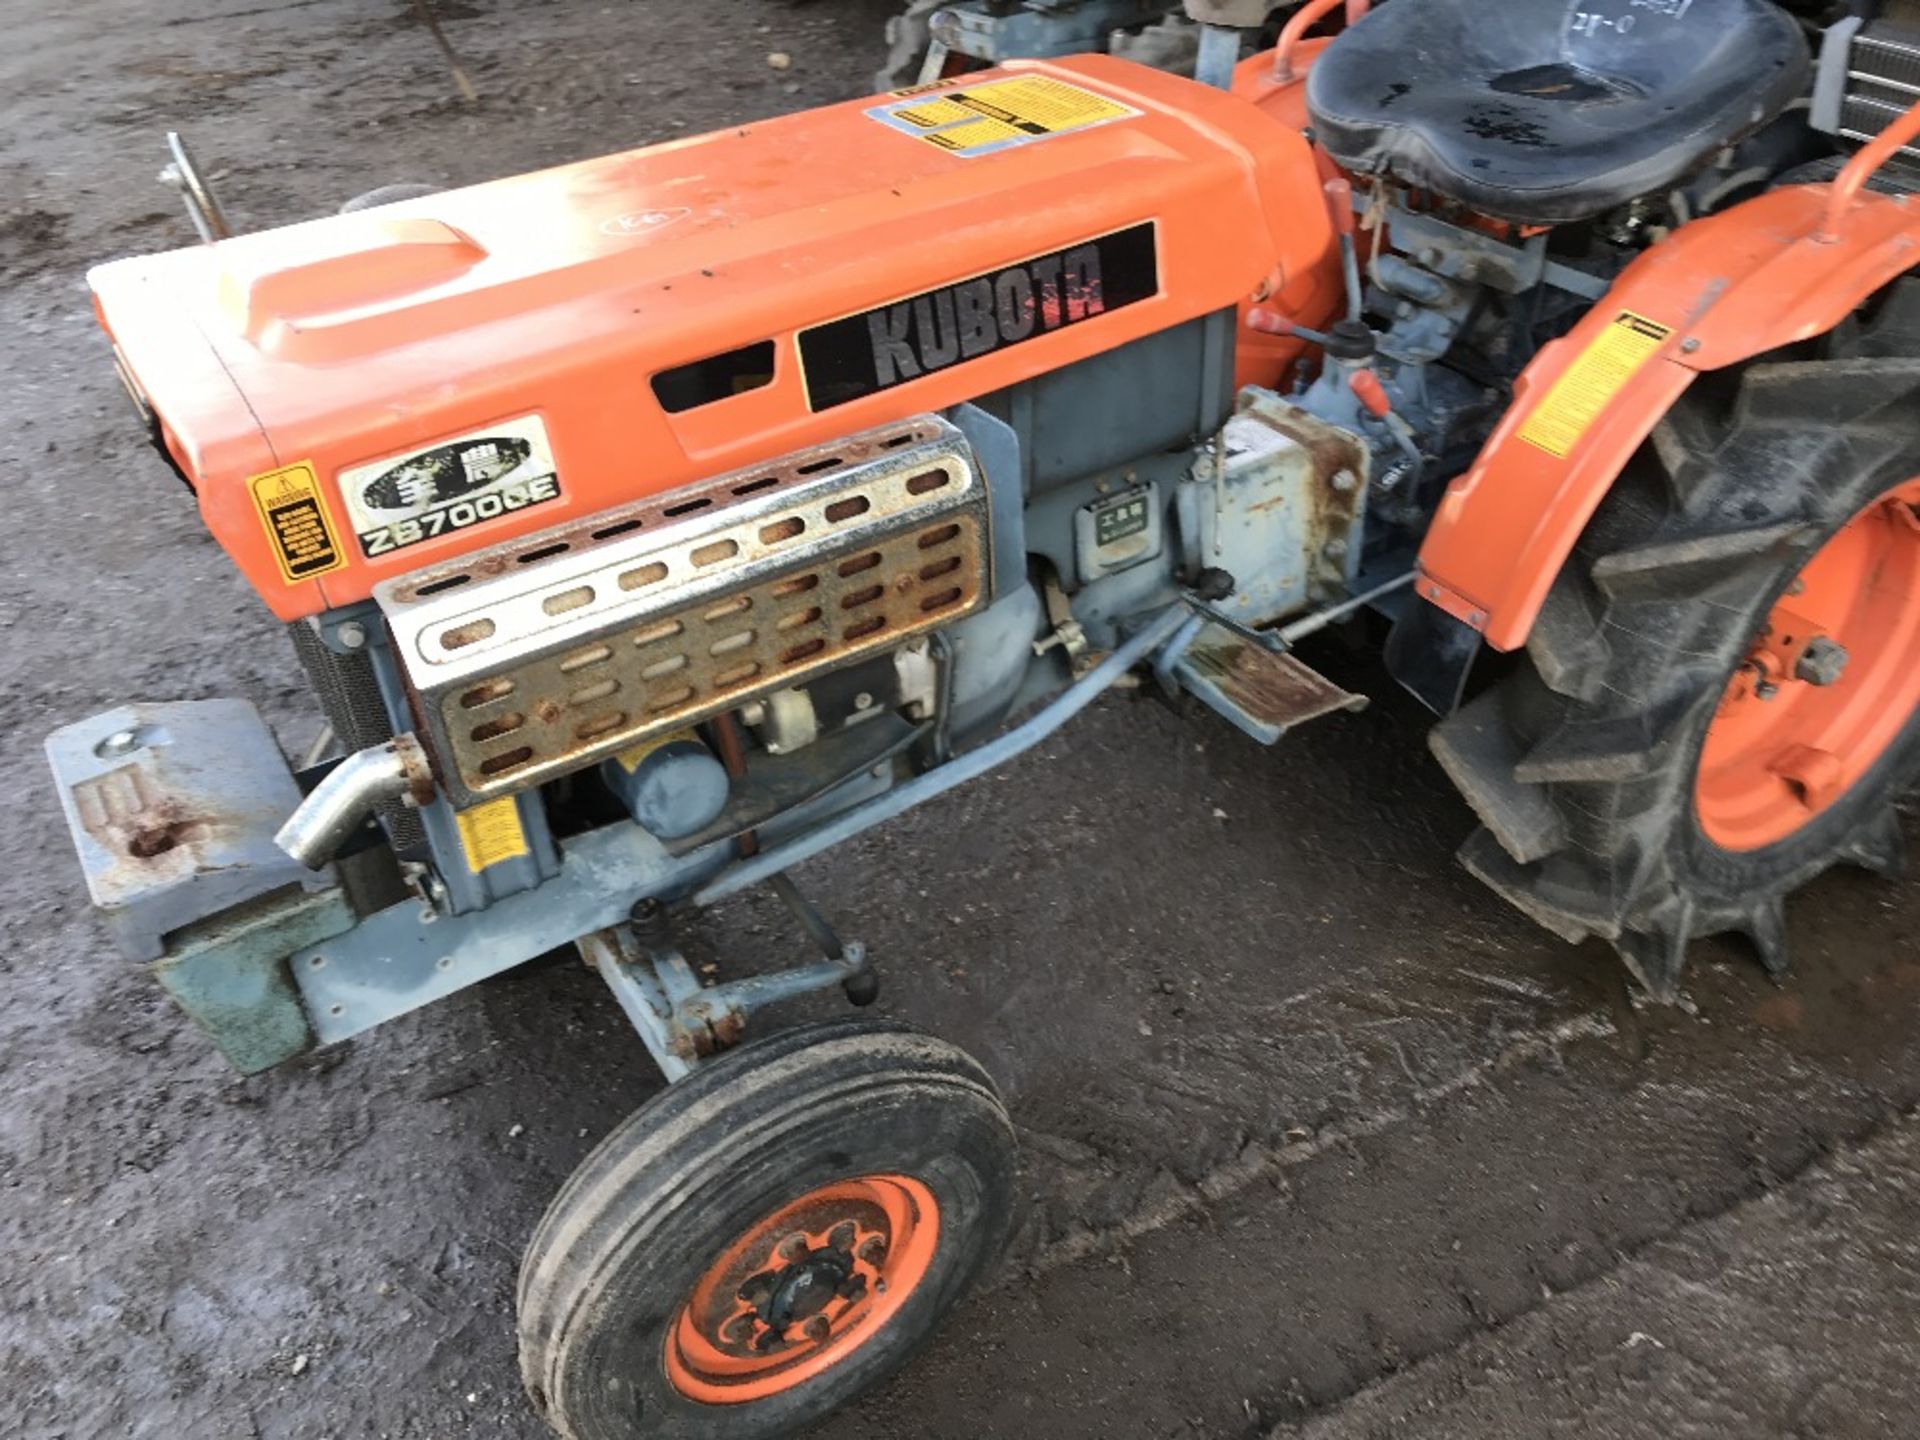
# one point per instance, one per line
(363, 395)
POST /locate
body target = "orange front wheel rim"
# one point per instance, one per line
(803, 1289)
(1828, 687)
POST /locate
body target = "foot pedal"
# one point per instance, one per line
(1262, 692)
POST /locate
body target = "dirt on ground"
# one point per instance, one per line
(1319, 1139)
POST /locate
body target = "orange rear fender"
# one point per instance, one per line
(1720, 291)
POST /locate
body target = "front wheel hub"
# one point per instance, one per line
(1831, 682)
(803, 1289)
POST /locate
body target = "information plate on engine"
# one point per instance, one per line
(1602, 370)
(295, 515)
(469, 480)
(981, 119)
(864, 354)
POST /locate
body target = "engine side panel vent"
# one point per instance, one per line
(534, 659)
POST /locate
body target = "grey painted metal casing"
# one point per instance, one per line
(173, 809)
(398, 959)
(1037, 30)
(1280, 504)
(672, 791)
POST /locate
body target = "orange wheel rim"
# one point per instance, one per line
(1829, 685)
(803, 1289)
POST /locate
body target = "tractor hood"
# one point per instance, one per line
(370, 393)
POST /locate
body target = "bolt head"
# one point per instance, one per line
(121, 742)
(1822, 663)
(352, 635)
(1345, 481)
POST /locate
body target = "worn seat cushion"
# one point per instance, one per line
(1552, 111)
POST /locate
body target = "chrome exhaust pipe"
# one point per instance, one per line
(340, 804)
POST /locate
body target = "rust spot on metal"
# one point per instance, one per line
(157, 836)
(1274, 687)
(134, 823)
(1331, 511)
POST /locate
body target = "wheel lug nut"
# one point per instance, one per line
(1823, 662)
(873, 1251)
(794, 1247)
(816, 1329)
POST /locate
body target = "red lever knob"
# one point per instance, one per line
(1269, 322)
(1372, 393)
(1340, 205)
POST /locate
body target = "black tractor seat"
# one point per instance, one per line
(1548, 112)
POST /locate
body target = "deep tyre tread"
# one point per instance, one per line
(625, 1240)
(1581, 764)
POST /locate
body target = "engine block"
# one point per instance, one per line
(533, 659)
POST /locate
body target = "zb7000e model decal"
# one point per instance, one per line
(478, 477)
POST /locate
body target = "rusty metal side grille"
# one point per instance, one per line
(550, 666)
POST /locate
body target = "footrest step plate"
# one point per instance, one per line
(1260, 691)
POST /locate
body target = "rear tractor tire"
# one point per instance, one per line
(767, 1238)
(1721, 698)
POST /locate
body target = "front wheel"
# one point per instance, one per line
(767, 1238)
(1721, 698)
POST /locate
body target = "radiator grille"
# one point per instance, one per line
(1883, 83)
(647, 619)
(350, 698)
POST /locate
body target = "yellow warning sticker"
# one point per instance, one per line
(491, 833)
(975, 136)
(926, 87)
(295, 513)
(981, 119)
(1582, 394)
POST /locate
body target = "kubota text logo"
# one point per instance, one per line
(904, 341)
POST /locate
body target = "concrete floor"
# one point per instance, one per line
(1319, 1139)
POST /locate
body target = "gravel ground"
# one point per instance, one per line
(1318, 1138)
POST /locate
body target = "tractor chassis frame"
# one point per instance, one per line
(288, 968)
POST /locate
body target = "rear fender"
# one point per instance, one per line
(1720, 291)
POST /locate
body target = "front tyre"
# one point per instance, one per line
(1721, 698)
(767, 1238)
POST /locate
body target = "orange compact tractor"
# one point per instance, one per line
(652, 524)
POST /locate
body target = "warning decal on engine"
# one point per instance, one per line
(981, 119)
(407, 499)
(1581, 395)
(861, 355)
(491, 833)
(295, 514)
